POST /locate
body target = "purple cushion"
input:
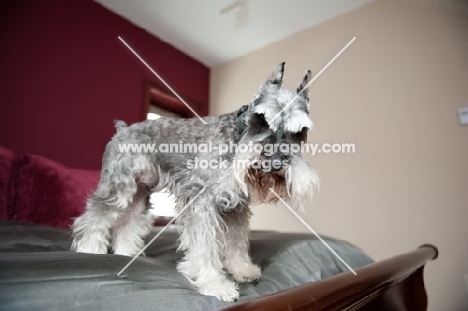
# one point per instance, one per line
(6, 162)
(49, 193)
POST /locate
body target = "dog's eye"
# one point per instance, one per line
(259, 119)
(257, 124)
(302, 135)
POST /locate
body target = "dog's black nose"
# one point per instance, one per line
(278, 161)
(286, 158)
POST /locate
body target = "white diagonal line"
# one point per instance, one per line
(313, 79)
(160, 232)
(313, 231)
(162, 80)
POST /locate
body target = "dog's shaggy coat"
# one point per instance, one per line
(214, 229)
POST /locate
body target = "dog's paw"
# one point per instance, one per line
(225, 290)
(95, 247)
(128, 254)
(126, 248)
(249, 273)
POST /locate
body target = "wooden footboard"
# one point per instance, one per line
(392, 284)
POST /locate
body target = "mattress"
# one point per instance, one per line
(38, 272)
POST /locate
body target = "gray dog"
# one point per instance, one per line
(214, 228)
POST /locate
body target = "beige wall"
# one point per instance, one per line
(394, 93)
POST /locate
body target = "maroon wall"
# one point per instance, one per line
(65, 76)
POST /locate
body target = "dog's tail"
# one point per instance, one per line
(119, 124)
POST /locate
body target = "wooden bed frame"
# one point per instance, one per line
(392, 284)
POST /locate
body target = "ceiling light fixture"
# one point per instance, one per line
(242, 12)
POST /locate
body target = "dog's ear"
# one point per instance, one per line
(303, 89)
(276, 76)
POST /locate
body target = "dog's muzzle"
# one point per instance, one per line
(276, 162)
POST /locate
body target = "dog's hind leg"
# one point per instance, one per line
(128, 235)
(237, 260)
(92, 230)
(117, 206)
(114, 193)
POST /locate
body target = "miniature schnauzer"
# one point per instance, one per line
(214, 229)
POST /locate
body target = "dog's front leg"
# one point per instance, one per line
(237, 260)
(203, 239)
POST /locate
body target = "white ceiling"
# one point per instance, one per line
(197, 28)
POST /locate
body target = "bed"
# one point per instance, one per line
(38, 272)
(39, 198)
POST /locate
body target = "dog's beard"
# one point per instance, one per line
(295, 183)
(260, 183)
(301, 180)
